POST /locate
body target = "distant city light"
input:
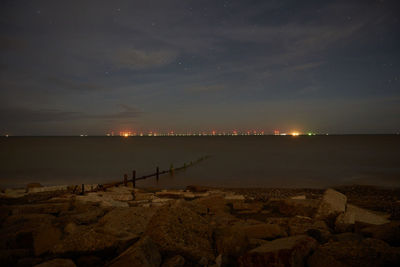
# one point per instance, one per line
(295, 134)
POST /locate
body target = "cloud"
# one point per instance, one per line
(140, 59)
(18, 115)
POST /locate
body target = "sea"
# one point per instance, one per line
(233, 161)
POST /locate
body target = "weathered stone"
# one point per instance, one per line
(13, 193)
(175, 261)
(105, 199)
(86, 240)
(300, 207)
(142, 253)
(177, 229)
(389, 233)
(252, 207)
(89, 261)
(214, 204)
(230, 242)
(28, 262)
(365, 216)
(49, 188)
(299, 225)
(45, 239)
(196, 188)
(144, 196)
(58, 263)
(45, 208)
(365, 252)
(231, 196)
(9, 257)
(332, 204)
(32, 185)
(260, 230)
(289, 251)
(301, 197)
(343, 237)
(125, 223)
(344, 222)
(175, 194)
(19, 231)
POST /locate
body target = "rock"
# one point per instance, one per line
(32, 185)
(178, 230)
(28, 262)
(120, 193)
(86, 240)
(85, 214)
(175, 261)
(196, 188)
(49, 188)
(58, 263)
(345, 222)
(143, 253)
(253, 207)
(332, 204)
(389, 233)
(260, 230)
(203, 261)
(289, 251)
(13, 193)
(346, 237)
(89, 261)
(125, 223)
(105, 199)
(299, 225)
(117, 229)
(175, 194)
(230, 242)
(9, 257)
(45, 208)
(301, 197)
(45, 239)
(365, 252)
(254, 242)
(231, 196)
(366, 216)
(214, 204)
(300, 207)
(144, 196)
(21, 231)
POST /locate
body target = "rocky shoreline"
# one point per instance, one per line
(200, 226)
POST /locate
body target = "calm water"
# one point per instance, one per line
(242, 161)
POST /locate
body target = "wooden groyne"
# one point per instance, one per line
(133, 180)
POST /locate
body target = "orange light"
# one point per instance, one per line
(295, 134)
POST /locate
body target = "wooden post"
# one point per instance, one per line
(157, 173)
(134, 178)
(83, 189)
(125, 179)
(171, 169)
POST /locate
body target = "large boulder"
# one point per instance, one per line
(364, 252)
(42, 208)
(230, 242)
(389, 232)
(113, 232)
(366, 216)
(260, 230)
(299, 207)
(58, 263)
(32, 185)
(125, 223)
(178, 230)
(289, 251)
(142, 253)
(332, 204)
(175, 261)
(317, 229)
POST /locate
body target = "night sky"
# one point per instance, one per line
(91, 67)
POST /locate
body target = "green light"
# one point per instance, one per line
(309, 134)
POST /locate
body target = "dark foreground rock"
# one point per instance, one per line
(143, 253)
(365, 252)
(58, 263)
(289, 251)
(178, 230)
